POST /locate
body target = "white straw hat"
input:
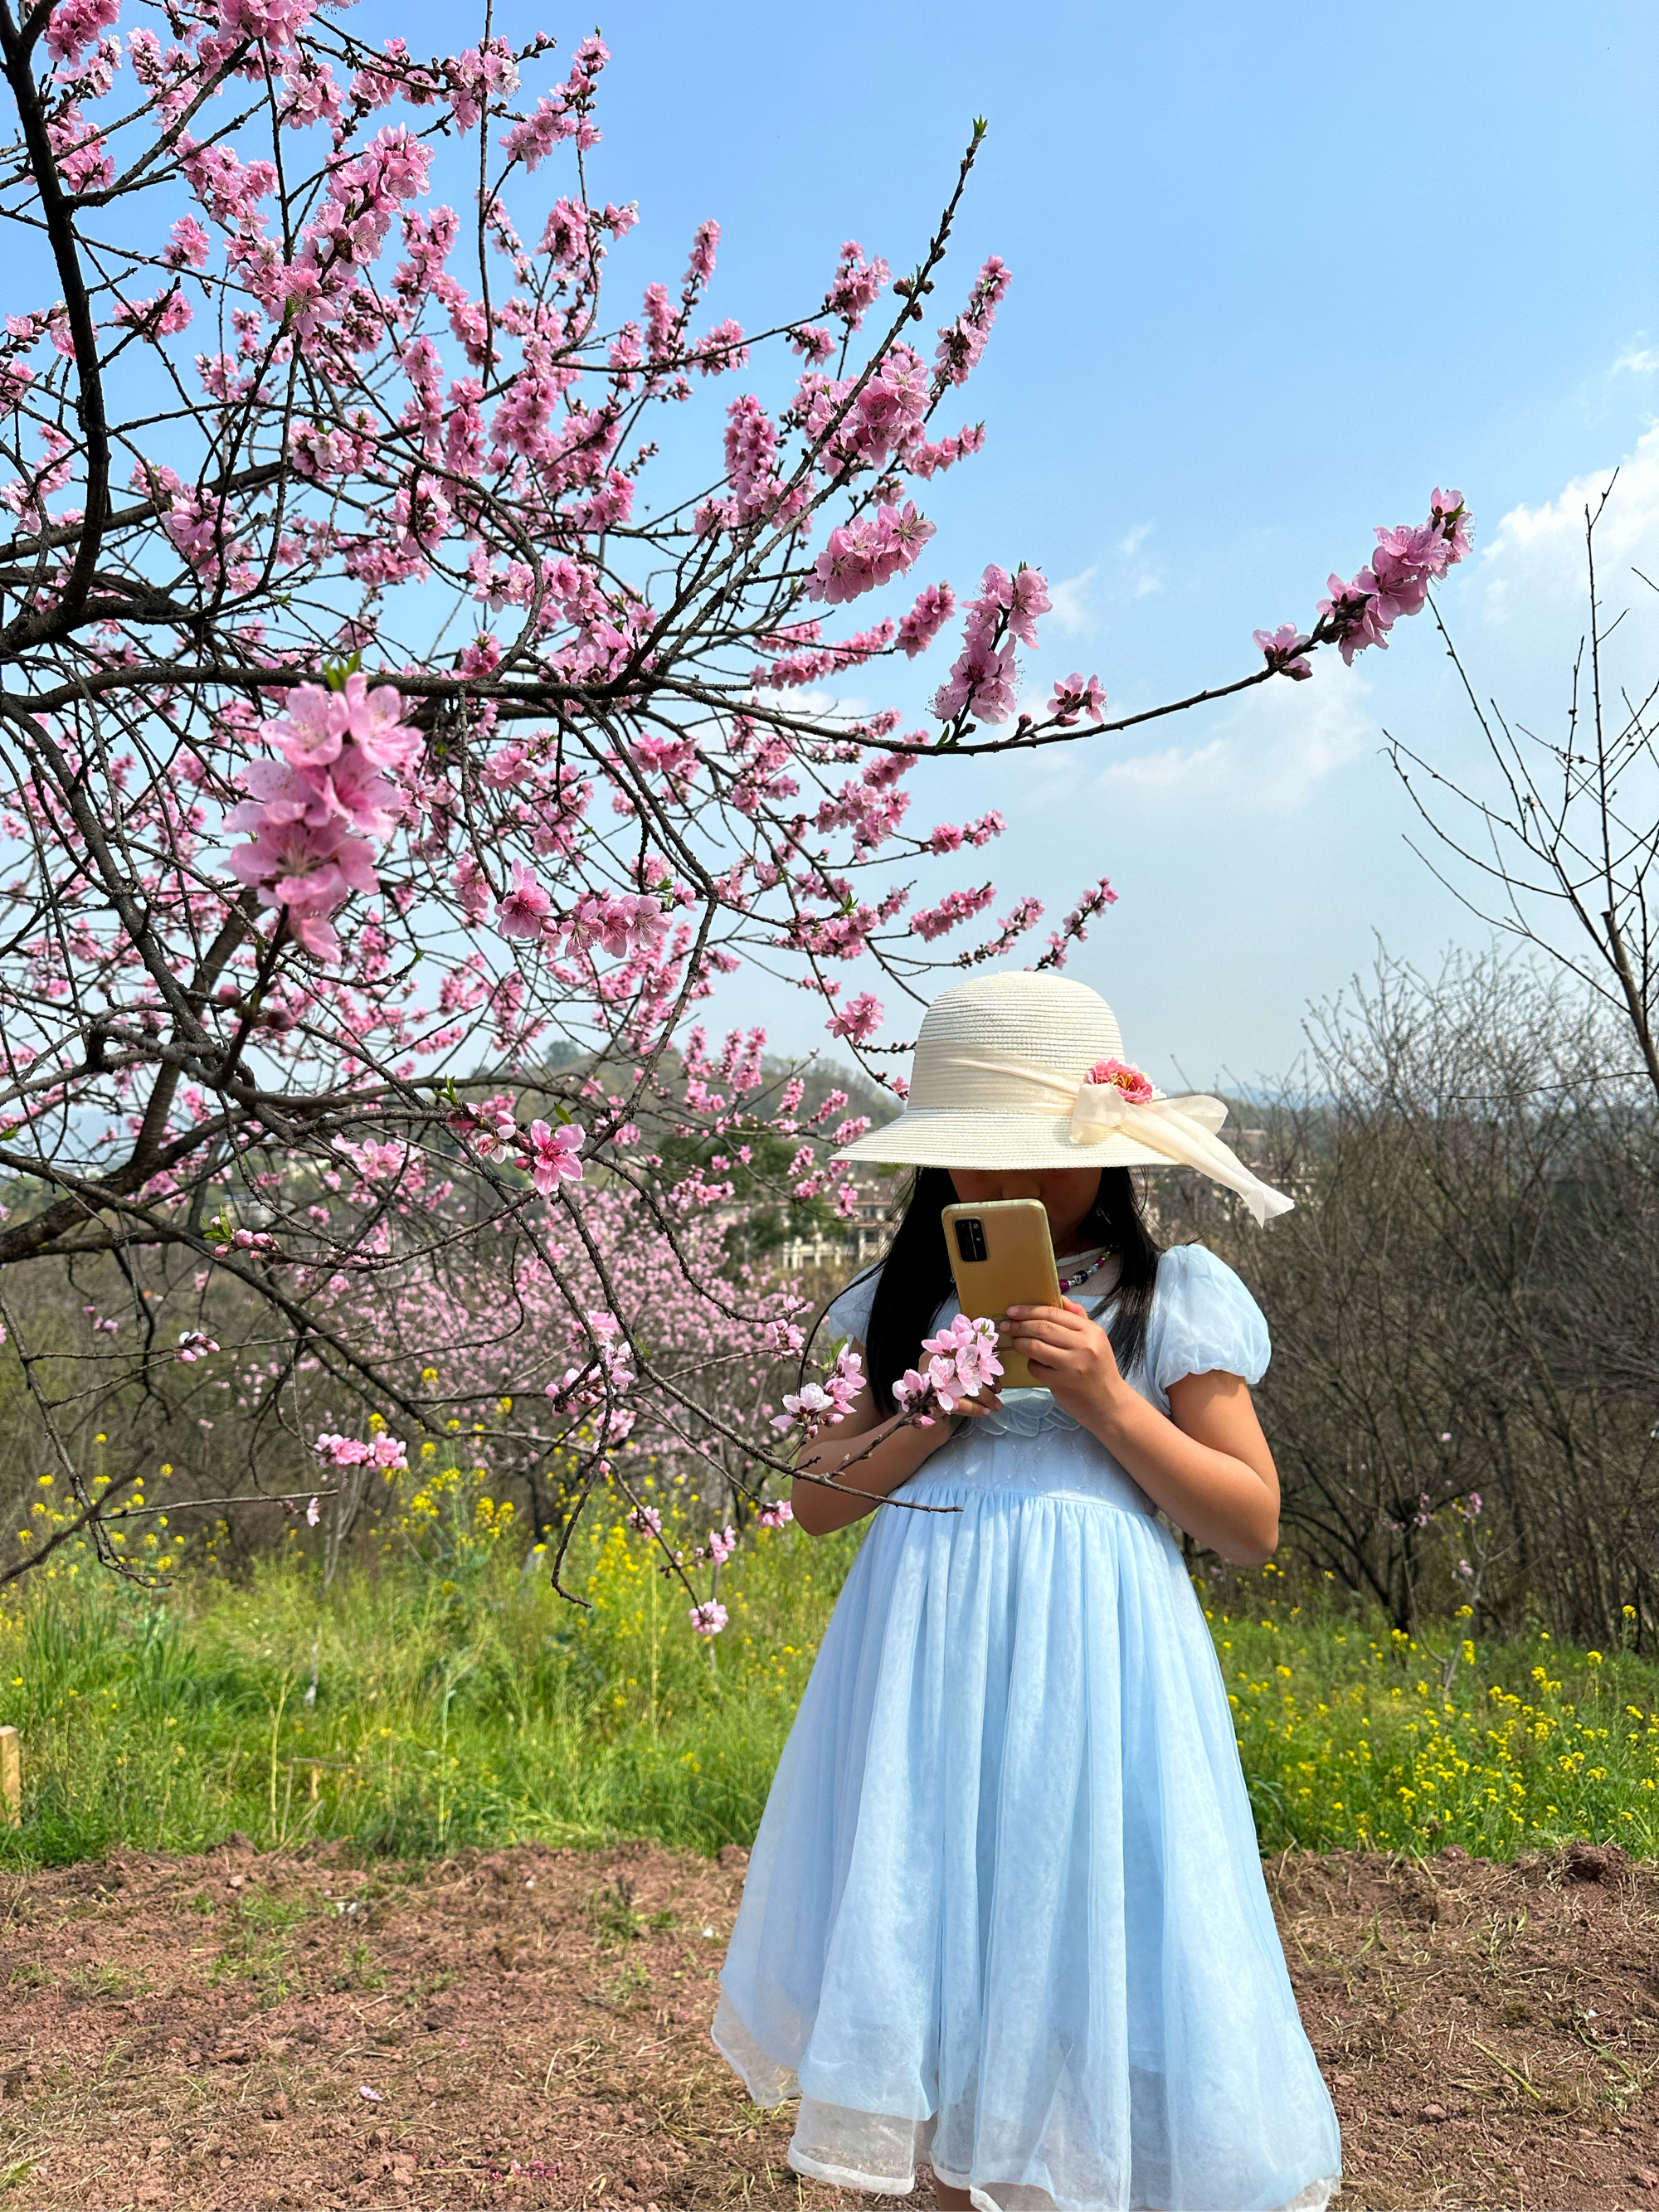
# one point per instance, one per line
(1022, 1070)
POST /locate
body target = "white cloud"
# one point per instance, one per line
(1637, 361)
(1139, 576)
(1122, 575)
(1070, 602)
(1533, 568)
(1272, 753)
(1630, 516)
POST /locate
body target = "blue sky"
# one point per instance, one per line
(1275, 277)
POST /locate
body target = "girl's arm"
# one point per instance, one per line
(896, 1456)
(1206, 1463)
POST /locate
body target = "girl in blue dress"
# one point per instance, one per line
(1006, 1910)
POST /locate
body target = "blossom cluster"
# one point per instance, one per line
(549, 1153)
(868, 552)
(626, 924)
(957, 1363)
(816, 1405)
(1360, 612)
(1075, 695)
(313, 812)
(983, 676)
(380, 1451)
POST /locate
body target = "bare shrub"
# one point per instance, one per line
(1465, 1304)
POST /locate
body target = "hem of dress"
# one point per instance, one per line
(770, 2084)
(1315, 2197)
(840, 2177)
(976, 2197)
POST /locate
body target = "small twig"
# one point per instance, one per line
(199, 1504)
(1531, 2090)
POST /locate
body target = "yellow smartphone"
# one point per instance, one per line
(1002, 1255)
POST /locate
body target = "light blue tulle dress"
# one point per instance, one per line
(1006, 1909)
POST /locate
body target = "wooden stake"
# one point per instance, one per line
(11, 1778)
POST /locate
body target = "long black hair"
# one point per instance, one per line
(914, 1278)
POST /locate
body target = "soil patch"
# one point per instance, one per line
(1490, 2033)
(530, 2028)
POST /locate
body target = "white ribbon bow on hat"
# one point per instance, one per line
(1182, 1129)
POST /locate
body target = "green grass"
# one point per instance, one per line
(464, 1703)
(467, 1707)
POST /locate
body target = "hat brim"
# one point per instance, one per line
(950, 1137)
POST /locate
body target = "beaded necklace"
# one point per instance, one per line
(1068, 1283)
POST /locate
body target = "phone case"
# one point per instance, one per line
(1008, 1261)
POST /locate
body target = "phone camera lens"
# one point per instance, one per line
(970, 1239)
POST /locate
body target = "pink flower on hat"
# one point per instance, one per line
(1136, 1087)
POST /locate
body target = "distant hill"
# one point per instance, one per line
(822, 1076)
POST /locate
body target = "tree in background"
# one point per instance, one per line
(1465, 1302)
(404, 728)
(1563, 855)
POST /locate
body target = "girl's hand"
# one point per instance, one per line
(1068, 1355)
(943, 1427)
(987, 1401)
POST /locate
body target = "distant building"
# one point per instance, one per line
(845, 1246)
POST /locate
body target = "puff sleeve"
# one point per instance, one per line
(849, 1314)
(1202, 1318)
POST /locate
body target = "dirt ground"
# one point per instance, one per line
(529, 2028)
